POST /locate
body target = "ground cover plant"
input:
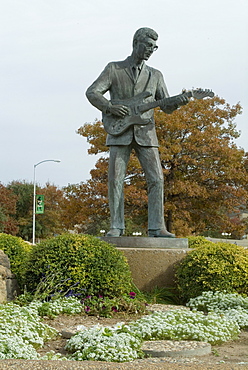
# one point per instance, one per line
(232, 305)
(117, 344)
(186, 325)
(22, 330)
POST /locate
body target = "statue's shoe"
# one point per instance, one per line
(115, 232)
(160, 234)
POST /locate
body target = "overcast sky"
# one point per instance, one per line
(52, 50)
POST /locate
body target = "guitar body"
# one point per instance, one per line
(136, 105)
(115, 125)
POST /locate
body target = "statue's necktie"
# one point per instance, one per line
(135, 73)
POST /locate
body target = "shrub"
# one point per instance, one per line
(18, 252)
(214, 266)
(78, 265)
(198, 241)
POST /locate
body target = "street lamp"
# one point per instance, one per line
(34, 200)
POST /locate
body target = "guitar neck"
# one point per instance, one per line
(157, 103)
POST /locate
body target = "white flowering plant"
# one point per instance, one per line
(232, 305)
(13, 346)
(53, 308)
(123, 342)
(117, 344)
(186, 325)
(22, 332)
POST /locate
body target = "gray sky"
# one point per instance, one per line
(52, 50)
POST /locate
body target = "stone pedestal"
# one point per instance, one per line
(152, 261)
(140, 242)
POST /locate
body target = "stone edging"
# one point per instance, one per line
(170, 348)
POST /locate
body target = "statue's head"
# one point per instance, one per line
(143, 33)
(144, 42)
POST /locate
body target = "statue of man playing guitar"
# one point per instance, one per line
(135, 89)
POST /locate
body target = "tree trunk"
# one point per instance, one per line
(169, 221)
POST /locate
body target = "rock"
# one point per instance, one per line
(4, 260)
(8, 283)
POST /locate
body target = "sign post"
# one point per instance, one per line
(39, 209)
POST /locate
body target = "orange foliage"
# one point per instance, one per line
(7, 209)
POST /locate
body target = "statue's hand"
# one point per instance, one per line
(118, 110)
(182, 99)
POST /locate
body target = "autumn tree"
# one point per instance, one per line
(205, 173)
(204, 170)
(85, 206)
(8, 199)
(24, 207)
(47, 224)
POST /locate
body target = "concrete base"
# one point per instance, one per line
(151, 267)
(152, 261)
(140, 242)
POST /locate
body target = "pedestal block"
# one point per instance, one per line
(152, 261)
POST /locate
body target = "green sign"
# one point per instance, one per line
(39, 204)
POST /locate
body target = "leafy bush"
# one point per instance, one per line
(213, 266)
(18, 252)
(80, 265)
(198, 241)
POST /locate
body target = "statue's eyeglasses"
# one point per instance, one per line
(150, 46)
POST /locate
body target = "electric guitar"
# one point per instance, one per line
(115, 125)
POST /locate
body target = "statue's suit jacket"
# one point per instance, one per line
(117, 78)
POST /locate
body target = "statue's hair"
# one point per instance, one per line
(144, 32)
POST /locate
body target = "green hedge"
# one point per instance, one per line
(82, 264)
(198, 241)
(18, 252)
(213, 266)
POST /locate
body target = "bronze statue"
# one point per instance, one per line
(135, 89)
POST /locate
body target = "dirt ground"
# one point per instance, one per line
(234, 352)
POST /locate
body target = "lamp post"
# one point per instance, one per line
(34, 200)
